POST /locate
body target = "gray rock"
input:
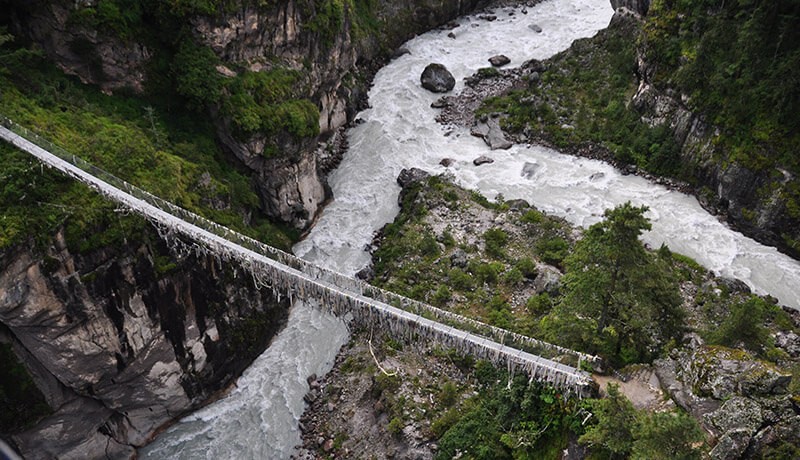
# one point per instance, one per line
(482, 160)
(730, 445)
(488, 17)
(737, 413)
(451, 35)
(411, 175)
(499, 60)
(458, 258)
(548, 280)
(491, 133)
(535, 28)
(518, 204)
(439, 103)
(529, 170)
(437, 78)
(789, 342)
(447, 162)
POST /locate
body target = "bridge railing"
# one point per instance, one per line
(502, 336)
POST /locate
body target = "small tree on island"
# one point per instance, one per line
(620, 300)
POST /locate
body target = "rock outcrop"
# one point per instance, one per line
(121, 340)
(742, 401)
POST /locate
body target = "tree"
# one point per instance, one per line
(615, 423)
(667, 436)
(620, 301)
(744, 326)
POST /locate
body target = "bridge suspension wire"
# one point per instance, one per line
(297, 278)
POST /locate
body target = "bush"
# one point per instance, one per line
(495, 240)
(553, 250)
(744, 326)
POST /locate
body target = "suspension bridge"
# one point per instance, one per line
(344, 296)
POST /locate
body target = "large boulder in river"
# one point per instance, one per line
(499, 60)
(437, 78)
(490, 131)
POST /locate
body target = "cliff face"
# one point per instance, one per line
(334, 52)
(122, 340)
(756, 201)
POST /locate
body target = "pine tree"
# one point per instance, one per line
(620, 300)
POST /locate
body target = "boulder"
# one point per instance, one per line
(437, 78)
(499, 60)
(458, 258)
(482, 160)
(548, 280)
(411, 175)
(447, 162)
(529, 170)
(535, 28)
(491, 133)
(737, 413)
(518, 204)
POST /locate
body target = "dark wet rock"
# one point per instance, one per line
(488, 17)
(451, 35)
(402, 51)
(499, 60)
(482, 160)
(447, 162)
(366, 273)
(535, 28)
(734, 285)
(439, 103)
(411, 175)
(437, 78)
(529, 170)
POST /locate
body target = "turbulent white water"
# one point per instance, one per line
(259, 419)
(399, 132)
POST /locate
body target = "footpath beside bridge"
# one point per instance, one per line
(288, 275)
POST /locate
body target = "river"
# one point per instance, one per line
(259, 419)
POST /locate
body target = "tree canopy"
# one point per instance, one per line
(620, 300)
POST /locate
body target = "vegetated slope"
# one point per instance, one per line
(720, 355)
(270, 79)
(705, 92)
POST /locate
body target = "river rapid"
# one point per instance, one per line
(259, 418)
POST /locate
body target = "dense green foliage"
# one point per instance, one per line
(21, 402)
(619, 300)
(165, 151)
(266, 102)
(621, 431)
(583, 97)
(509, 418)
(739, 61)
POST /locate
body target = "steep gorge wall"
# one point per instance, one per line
(121, 340)
(755, 201)
(336, 58)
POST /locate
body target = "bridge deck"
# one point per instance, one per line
(299, 278)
